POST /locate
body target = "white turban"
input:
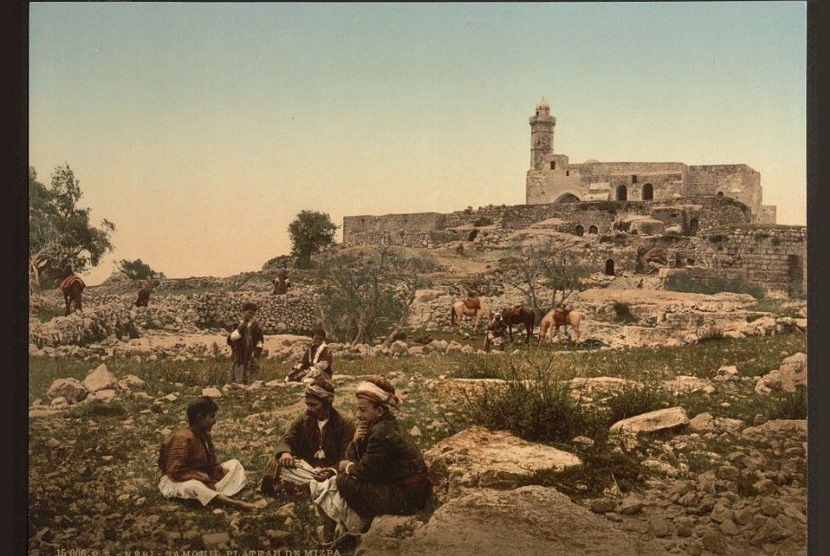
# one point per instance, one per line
(375, 393)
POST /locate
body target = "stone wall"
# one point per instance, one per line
(772, 255)
(423, 221)
(737, 181)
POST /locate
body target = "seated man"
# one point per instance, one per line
(188, 461)
(316, 361)
(495, 333)
(319, 438)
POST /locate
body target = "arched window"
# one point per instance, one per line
(592, 229)
(567, 198)
(693, 225)
(648, 192)
(720, 193)
(579, 230)
(609, 267)
(622, 193)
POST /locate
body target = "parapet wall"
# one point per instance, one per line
(772, 255)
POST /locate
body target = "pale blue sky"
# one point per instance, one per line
(202, 129)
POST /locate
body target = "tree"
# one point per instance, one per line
(362, 292)
(137, 270)
(61, 238)
(541, 269)
(310, 231)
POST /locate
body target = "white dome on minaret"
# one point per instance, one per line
(543, 105)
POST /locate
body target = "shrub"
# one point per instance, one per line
(685, 282)
(636, 400)
(479, 366)
(789, 405)
(482, 221)
(602, 467)
(536, 407)
(710, 334)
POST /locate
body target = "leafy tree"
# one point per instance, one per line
(61, 238)
(361, 293)
(310, 231)
(137, 270)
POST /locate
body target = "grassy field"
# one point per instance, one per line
(93, 474)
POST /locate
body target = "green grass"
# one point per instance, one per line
(100, 451)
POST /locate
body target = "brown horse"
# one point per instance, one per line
(459, 309)
(559, 317)
(519, 315)
(72, 286)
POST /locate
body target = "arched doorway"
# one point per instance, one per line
(579, 230)
(693, 225)
(622, 193)
(592, 229)
(567, 198)
(609, 267)
(472, 235)
(795, 274)
(720, 193)
(648, 192)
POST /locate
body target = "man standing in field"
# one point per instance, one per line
(246, 341)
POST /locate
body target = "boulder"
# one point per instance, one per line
(70, 389)
(398, 347)
(477, 457)
(211, 392)
(100, 378)
(652, 421)
(790, 375)
(790, 429)
(131, 381)
(530, 519)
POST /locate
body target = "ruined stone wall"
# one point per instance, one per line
(737, 181)
(774, 256)
(405, 238)
(423, 221)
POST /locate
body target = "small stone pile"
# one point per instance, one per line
(99, 384)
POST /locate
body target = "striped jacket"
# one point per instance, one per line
(184, 455)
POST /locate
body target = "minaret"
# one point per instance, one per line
(541, 134)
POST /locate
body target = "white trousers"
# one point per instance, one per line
(233, 481)
(325, 496)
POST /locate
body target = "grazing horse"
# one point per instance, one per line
(72, 287)
(519, 315)
(559, 317)
(460, 309)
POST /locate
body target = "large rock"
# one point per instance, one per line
(100, 378)
(652, 421)
(791, 429)
(790, 375)
(477, 457)
(70, 389)
(531, 519)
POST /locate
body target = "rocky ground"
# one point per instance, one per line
(720, 476)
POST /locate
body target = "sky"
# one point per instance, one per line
(202, 129)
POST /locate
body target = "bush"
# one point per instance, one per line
(636, 400)
(479, 366)
(482, 221)
(536, 407)
(789, 405)
(602, 467)
(685, 282)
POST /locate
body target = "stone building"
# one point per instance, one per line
(629, 217)
(553, 179)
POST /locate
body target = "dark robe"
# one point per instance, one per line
(302, 439)
(389, 475)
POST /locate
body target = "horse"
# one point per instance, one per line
(72, 286)
(556, 318)
(460, 309)
(519, 315)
